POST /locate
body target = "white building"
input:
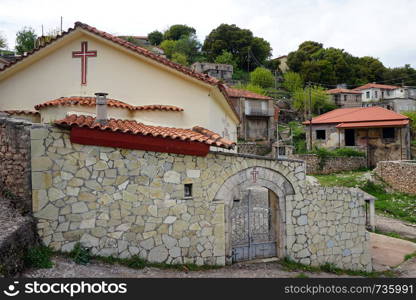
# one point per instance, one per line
(392, 97)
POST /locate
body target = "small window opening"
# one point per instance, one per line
(320, 135)
(388, 133)
(188, 190)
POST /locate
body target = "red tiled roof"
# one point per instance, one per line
(90, 101)
(20, 112)
(142, 51)
(237, 93)
(376, 86)
(196, 134)
(159, 107)
(399, 123)
(342, 91)
(357, 114)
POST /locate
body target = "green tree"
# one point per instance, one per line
(292, 82)
(252, 88)
(3, 41)
(240, 43)
(155, 37)
(319, 99)
(262, 77)
(168, 47)
(176, 32)
(180, 58)
(226, 58)
(25, 40)
(189, 46)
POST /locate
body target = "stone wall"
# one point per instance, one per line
(129, 202)
(15, 173)
(253, 148)
(331, 164)
(327, 225)
(400, 175)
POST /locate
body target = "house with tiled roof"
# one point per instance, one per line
(256, 113)
(61, 77)
(342, 97)
(380, 133)
(397, 98)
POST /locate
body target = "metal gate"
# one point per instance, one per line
(253, 233)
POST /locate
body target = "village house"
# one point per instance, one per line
(283, 67)
(139, 171)
(223, 72)
(345, 98)
(256, 114)
(397, 98)
(380, 133)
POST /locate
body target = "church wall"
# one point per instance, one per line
(123, 76)
(124, 202)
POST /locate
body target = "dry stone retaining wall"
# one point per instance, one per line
(331, 164)
(15, 173)
(400, 175)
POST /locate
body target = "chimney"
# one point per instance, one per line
(101, 103)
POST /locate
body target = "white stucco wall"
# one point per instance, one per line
(124, 76)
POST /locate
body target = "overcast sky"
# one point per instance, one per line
(381, 28)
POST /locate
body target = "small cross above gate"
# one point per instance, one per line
(254, 174)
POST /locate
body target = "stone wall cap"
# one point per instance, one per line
(367, 196)
(256, 156)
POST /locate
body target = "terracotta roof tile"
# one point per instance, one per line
(21, 112)
(342, 91)
(196, 134)
(90, 101)
(137, 49)
(376, 86)
(399, 123)
(357, 114)
(237, 93)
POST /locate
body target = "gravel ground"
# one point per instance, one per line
(66, 268)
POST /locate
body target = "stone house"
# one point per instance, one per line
(345, 98)
(220, 71)
(256, 113)
(283, 67)
(397, 98)
(381, 133)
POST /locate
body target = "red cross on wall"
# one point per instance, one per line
(84, 54)
(254, 174)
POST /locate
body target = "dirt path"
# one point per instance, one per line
(66, 268)
(386, 224)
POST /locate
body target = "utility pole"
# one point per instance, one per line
(61, 24)
(248, 60)
(310, 115)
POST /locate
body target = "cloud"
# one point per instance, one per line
(378, 28)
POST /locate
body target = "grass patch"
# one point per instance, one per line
(347, 179)
(395, 235)
(39, 257)
(82, 255)
(397, 205)
(135, 262)
(302, 275)
(290, 265)
(409, 256)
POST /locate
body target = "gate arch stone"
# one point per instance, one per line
(255, 176)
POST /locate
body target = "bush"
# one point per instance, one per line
(262, 77)
(39, 257)
(348, 152)
(80, 254)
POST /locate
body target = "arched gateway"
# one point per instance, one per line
(254, 225)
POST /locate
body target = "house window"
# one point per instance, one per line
(345, 97)
(188, 190)
(320, 134)
(376, 94)
(388, 133)
(367, 95)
